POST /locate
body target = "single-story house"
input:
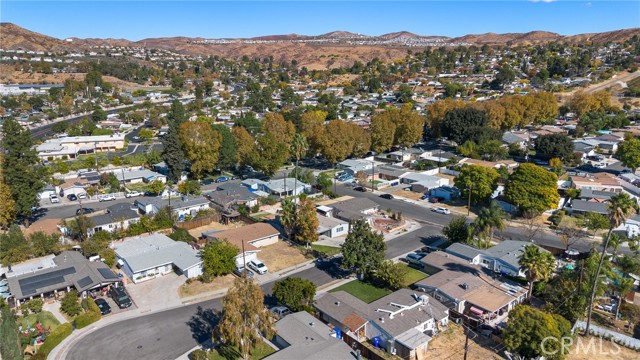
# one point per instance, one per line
(301, 336)
(595, 195)
(598, 181)
(392, 172)
(448, 193)
(70, 270)
(161, 168)
(248, 238)
(285, 187)
(138, 176)
(72, 146)
(227, 195)
(147, 256)
(332, 227)
(403, 321)
(181, 206)
(577, 206)
(501, 258)
(520, 138)
(469, 289)
(438, 156)
(47, 191)
(116, 217)
(421, 182)
(632, 226)
(353, 209)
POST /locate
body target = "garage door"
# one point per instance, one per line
(248, 257)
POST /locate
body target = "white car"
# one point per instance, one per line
(131, 194)
(54, 199)
(106, 197)
(442, 210)
(258, 266)
(82, 196)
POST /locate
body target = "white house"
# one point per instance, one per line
(180, 206)
(71, 147)
(332, 227)
(147, 257)
(248, 238)
(116, 217)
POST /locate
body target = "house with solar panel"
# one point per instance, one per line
(68, 271)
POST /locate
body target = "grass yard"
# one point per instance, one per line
(45, 318)
(413, 275)
(197, 287)
(363, 290)
(224, 352)
(327, 250)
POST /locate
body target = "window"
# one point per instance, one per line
(340, 229)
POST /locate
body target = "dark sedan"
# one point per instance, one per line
(387, 196)
(360, 188)
(84, 211)
(103, 305)
(72, 197)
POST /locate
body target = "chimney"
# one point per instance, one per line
(382, 320)
(337, 303)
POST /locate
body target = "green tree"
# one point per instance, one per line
(459, 122)
(146, 134)
(556, 166)
(98, 115)
(383, 130)
(299, 147)
(629, 152)
(190, 187)
(306, 222)
(273, 147)
(8, 208)
(409, 126)
(391, 274)
(70, 304)
(20, 168)
(172, 153)
(245, 145)
(594, 221)
(620, 207)
(554, 146)
(228, 152)
(288, 219)
(622, 285)
(537, 264)
(156, 187)
(10, 346)
(218, 258)
(489, 219)
(323, 181)
(244, 318)
(14, 245)
(201, 146)
(528, 327)
(404, 94)
(363, 249)
(44, 244)
(532, 189)
(457, 230)
(296, 293)
(480, 180)
(493, 150)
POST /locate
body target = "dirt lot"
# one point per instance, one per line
(197, 232)
(600, 350)
(404, 193)
(450, 345)
(280, 256)
(197, 287)
(48, 226)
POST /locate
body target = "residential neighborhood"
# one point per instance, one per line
(330, 196)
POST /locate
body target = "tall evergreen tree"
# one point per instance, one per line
(363, 249)
(10, 347)
(20, 170)
(228, 154)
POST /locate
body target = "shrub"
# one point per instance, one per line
(92, 314)
(70, 305)
(55, 338)
(35, 305)
(181, 235)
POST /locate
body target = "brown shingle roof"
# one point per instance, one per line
(246, 234)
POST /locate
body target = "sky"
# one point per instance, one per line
(221, 19)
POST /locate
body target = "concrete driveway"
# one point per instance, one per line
(157, 294)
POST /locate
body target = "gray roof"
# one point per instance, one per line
(136, 174)
(511, 138)
(147, 252)
(176, 202)
(464, 251)
(116, 213)
(353, 208)
(585, 206)
(595, 194)
(391, 170)
(326, 223)
(72, 269)
(509, 251)
(582, 147)
(302, 329)
(230, 194)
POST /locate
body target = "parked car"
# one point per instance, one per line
(414, 258)
(387, 196)
(120, 297)
(82, 195)
(222, 179)
(258, 266)
(103, 305)
(441, 210)
(131, 194)
(72, 197)
(360, 188)
(106, 197)
(243, 272)
(207, 181)
(54, 199)
(84, 211)
(280, 311)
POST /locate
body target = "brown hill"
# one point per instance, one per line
(532, 37)
(281, 37)
(99, 42)
(615, 36)
(342, 35)
(14, 37)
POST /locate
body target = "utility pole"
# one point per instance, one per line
(466, 342)
(373, 169)
(469, 204)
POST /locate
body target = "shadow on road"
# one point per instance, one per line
(203, 323)
(332, 267)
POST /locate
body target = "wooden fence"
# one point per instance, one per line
(201, 221)
(364, 351)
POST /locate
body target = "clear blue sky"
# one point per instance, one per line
(218, 19)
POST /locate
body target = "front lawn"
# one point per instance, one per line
(45, 318)
(327, 250)
(225, 352)
(363, 290)
(413, 275)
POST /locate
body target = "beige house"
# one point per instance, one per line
(73, 146)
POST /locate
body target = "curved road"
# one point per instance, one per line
(171, 333)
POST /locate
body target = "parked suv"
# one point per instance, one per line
(120, 297)
(106, 197)
(414, 259)
(54, 199)
(258, 266)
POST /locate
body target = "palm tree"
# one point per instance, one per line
(299, 147)
(620, 207)
(623, 286)
(489, 219)
(537, 264)
(615, 242)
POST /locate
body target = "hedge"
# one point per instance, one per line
(91, 315)
(57, 335)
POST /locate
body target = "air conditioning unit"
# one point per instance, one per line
(458, 320)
